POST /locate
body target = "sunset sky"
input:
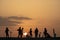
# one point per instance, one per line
(30, 14)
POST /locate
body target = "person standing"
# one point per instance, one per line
(7, 32)
(36, 32)
(19, 32)
(22, 32)
(30, 32)
(45, 32)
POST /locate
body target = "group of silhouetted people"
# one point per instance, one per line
(20, 32)
(36, 32)
(46, 34)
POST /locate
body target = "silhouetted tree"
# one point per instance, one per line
(30, 32)
(7, 32)
(36, 32)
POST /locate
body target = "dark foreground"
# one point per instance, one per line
(3, 38)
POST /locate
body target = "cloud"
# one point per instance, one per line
(7, 22)
(19, 18)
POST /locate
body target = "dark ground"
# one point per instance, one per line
(15, 38)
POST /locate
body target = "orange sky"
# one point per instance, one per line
(43, 12)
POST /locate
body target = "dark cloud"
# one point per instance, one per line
(19, 18)
(7, 22)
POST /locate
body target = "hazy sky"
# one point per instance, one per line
(31, 8)
(43, 12)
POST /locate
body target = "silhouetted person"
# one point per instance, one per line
(7, 32)
(22, 32)
(36, 32)
(54, 33)
(19, 32)
(30, 32)
(46, 34)
(39, 34)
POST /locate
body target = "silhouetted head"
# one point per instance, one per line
(19, 27)
(45, 30)
(30, 28)
(22, 28)
(36, 28)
